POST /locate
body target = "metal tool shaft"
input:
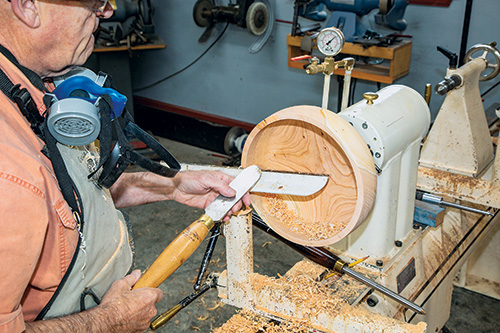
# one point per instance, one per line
(469, 209)
(327, 259)
(170, 313)
(363, 279)
(436, 200)
(208, 255)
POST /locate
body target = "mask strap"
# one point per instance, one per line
(104, 104)
(66, 184)
(113, 161)
(173, 165)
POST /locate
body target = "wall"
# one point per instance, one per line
(230, 82)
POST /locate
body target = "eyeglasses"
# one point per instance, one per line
(97, 6)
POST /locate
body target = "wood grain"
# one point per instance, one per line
(174, 255)
(314, 140)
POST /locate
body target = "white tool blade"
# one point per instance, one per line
(247, 178)
(277, 182)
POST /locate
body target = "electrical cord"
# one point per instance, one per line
(353, 91)
(183, 69)
(490, 89)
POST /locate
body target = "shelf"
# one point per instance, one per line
(155, 43)
(396, 58)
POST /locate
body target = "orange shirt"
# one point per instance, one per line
(38, 234)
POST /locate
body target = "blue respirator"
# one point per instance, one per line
(74, 114)
(84, 108)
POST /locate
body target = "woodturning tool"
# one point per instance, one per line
(276, 182)
(327, 259)
(188, 241)
(250, 178)
(169, 314)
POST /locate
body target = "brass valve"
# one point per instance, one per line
(315, 67)
(329, 65)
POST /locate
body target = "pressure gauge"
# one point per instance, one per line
(330, 41)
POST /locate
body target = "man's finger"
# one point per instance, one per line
(246, 200)
(236, 208)
(159, 294)
(226, 190)
(222, 185)
(133, 277)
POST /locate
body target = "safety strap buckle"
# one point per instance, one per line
(25, 102)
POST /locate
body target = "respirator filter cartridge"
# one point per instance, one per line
(74, 121)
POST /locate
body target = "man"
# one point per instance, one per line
(49, 251)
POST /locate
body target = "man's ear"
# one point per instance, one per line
(27, 12)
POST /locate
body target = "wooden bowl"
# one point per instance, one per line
(314, 140)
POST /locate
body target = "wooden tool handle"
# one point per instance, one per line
(176, 253)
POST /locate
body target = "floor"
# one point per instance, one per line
(157, 224)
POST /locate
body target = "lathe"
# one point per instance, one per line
(379, 138)
(364, 223)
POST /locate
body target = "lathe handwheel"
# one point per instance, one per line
(486, 49)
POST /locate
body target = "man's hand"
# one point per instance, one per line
(132, 310)
(193, 188)
(199, 188)
(122, 310)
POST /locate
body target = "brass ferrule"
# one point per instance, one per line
(164, 317)
(207, 221)
(339, 264)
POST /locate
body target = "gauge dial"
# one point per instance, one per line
(330, 41)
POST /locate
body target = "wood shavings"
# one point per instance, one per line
(300, 289)
(202, 318)
(243, 211)
(311, 300)
(215, 306)
(215, 261)
(277, 208)
(266, 244)
(249, 322)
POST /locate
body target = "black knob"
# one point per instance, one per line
(453, 57)
(372, 301)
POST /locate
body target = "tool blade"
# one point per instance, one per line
(290, 183)
(277, 182)
(243, 182)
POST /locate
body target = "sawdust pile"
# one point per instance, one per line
(299, 291)
(277, 208)
(246, 322)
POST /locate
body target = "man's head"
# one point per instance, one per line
(51, 36)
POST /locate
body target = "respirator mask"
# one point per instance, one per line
(85, 107)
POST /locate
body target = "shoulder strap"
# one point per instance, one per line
(25, 102)
(34, 78)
